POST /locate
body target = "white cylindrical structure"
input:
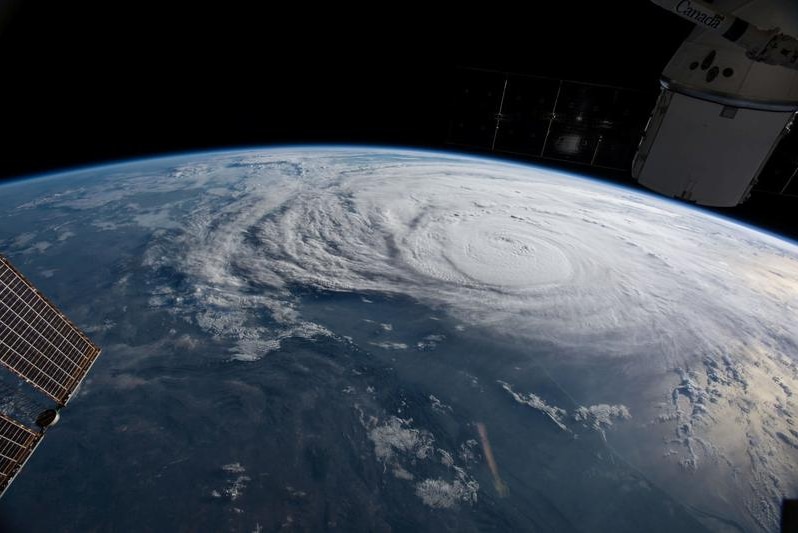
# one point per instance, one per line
(721, 112)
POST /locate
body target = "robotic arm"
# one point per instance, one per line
(767, 46)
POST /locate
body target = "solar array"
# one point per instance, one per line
(16, 444)
(584, 123)
(37, 342)
(47, 351)
(574, 122)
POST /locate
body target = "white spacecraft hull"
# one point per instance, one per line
(706, 152)
(722, 110)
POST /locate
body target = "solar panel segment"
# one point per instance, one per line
(16, 444)
(37, 342)
(584, 123)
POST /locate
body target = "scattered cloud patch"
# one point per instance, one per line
(430, 342)
(556, 414)
(390, 345)
(601, 416)
(438, 406)
(401, 447)
(441, 494)
(236, 482)
(396, 437)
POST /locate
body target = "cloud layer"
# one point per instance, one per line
(703, 308)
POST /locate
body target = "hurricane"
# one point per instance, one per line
(533, 254)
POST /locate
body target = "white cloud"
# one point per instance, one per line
(441, 494)
(396, 436)
(556, 414)
(602, 415)
(400, 447)
(390, 345)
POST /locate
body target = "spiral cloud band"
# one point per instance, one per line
(529, 252)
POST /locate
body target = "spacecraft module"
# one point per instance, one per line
(728, 96)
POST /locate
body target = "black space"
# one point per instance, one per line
(84, 83)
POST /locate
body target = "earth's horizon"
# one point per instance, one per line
(343, 337)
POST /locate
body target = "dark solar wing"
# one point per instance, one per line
(578, 122)
(597, 125)
(526, 115)
(37, 342)
(16, 444)
(477, 101)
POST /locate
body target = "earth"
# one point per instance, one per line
(344, 338)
